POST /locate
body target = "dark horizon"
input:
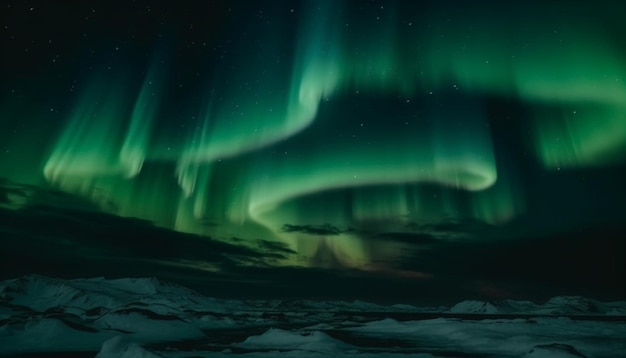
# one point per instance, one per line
(70, 243)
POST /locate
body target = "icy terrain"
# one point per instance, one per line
(151, 318)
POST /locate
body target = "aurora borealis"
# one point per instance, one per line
(355, 135)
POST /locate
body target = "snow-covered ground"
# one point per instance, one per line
(151, 318)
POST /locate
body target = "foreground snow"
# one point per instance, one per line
(151, 318)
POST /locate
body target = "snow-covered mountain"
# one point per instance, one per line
(40, 293)
(560, 306)
(83, 313)
(147, 317)
(564, 305)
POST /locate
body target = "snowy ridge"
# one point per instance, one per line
(41, 293)
(147, 317)
(560, 306)
(279, 339)
(86, 312)
(332, 306)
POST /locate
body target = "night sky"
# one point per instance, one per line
(383, 150)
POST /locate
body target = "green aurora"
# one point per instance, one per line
(363, 117)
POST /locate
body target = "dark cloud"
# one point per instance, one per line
(318, 230)
(77, 240)
(453, 228)
(206, 222)
(588, 262)
(18, 195)
(325, 256)
(413, 238)
(73, 240)
(276, 247)
(334, 282)
(9, 191)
